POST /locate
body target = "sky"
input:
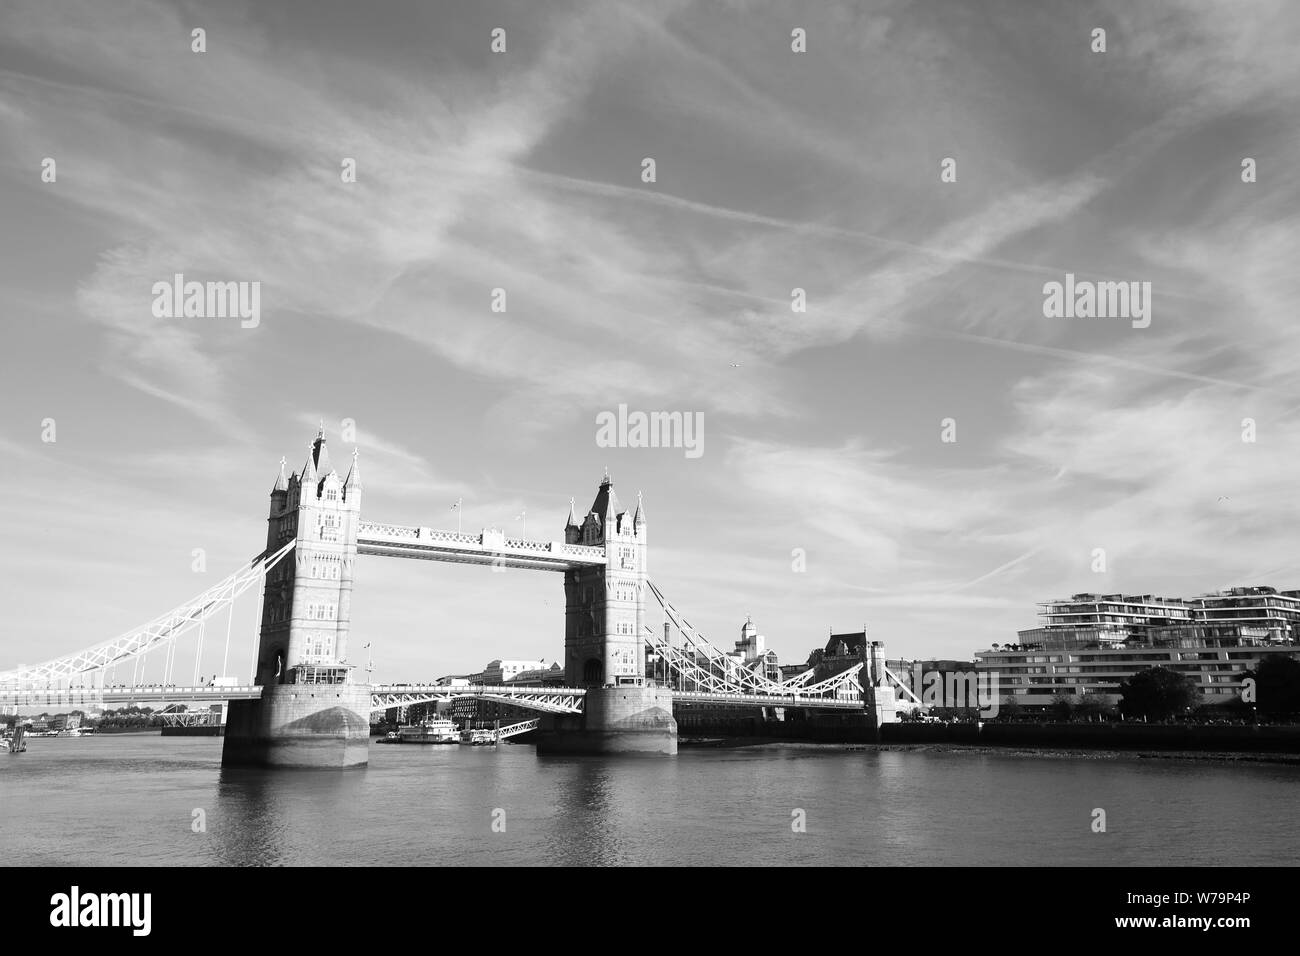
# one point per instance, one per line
(825, 496)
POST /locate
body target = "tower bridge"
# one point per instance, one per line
(304, 706)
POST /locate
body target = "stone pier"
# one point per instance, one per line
(623, 720)
(300, 725)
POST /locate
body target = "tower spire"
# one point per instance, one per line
(320, 454)
(309, 469)
(281, 481)
(573, 516)
(353, 479)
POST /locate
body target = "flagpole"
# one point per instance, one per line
(456, 508)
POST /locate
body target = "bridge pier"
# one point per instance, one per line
(300, 725)
(618, 720)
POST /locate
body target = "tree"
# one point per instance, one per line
(1277, 685)
(1094, 707)
(1010, 707)
(1158, 693)
(1063, 707)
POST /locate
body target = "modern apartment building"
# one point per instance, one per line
(1278, 612)
(1090, 643)
(1088, 619)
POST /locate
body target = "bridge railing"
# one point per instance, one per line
(768, 700)
(523, 544)
(582, 550)
(473, 690)
(371, 531)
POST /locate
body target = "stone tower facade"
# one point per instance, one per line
(307, 603)
(604, 616)
(311, 712)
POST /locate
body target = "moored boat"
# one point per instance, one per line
(434, 730)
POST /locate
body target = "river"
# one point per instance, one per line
(148, 799)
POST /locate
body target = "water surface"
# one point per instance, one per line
(112, 800)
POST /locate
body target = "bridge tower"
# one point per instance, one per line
(604, 643)
(311, 712)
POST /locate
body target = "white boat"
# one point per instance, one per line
(434, 730)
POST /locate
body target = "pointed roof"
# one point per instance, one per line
(606, 504)
(638, 519)
(320, 454)
(353, 479)
(573, 517)
(281, 481)
(309, 469)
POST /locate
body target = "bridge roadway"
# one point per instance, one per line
(490, 548)
(766, 700)
(569, 700)
(552, 700)
(144, 694)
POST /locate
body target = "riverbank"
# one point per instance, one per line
(1060, 753)
(1122, 736)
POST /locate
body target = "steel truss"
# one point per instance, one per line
(157, 632)
(705, 669)
(549, 700)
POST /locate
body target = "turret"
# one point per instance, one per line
(352, 484)
(280, 491)
(309, 479)
(281, 480)
(572, 527)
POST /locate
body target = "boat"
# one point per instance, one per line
(434, 730)
(478, 738)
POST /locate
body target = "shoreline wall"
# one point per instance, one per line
(839, 728)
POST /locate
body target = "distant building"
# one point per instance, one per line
(791, 671)
(1087, 620)
(1262, 607)
(552, 676)
(499, 672)
(476, 712)
(1091, 643)
(841, 652)
(750, 654)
